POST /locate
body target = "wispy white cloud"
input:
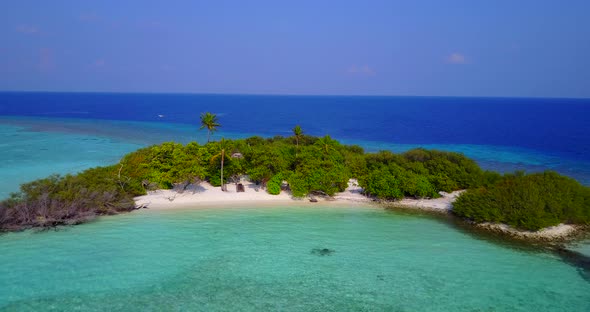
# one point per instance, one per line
(456, 58)
(27, 29)
(363, 70)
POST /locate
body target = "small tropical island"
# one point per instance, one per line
(302, 169)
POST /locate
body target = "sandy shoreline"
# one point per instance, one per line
(557, 232)
(442, 204)
(205, 195)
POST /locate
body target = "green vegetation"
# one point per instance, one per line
(297, 133)
(419, 173)
(273, 186)
(529, 202)
(71, 199)
(210, 122)
(310, 165)
(221, 156)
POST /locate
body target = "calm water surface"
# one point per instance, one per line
(263, 259)
(254, 259)
(34, 147)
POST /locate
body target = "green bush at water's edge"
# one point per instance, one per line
(70, 199)
(529, 202)
(311, 165)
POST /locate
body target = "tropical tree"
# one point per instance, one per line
(326, 143)
(222, 148)
(210, 122)
(297, 132)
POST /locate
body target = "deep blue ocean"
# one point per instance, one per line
(502, 134)
(556, 126)
(259, 259)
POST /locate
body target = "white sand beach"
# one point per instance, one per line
(206, 195)
(441, 204)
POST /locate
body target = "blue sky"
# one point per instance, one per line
(449, 48)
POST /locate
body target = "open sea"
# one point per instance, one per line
(262, 259)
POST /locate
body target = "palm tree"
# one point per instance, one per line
(326, 143)
(298, 133)
(222, 146)
(210, 122)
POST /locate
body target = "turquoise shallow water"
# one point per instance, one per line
(34, 147)
(260, 259)
(28, 155)
(255, 259)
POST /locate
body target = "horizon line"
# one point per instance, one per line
(294, 94)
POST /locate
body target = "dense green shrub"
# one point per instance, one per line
(67, 199)
(448, 171)
(273, 186)
(394, 182)
(419, 173)
(215, 180)
(319, 168)
(529, 202)
(299, 187)
(383, 184)
(318, 165)
(165, 164)
(419, 186)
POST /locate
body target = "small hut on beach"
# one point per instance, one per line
(237, 155)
